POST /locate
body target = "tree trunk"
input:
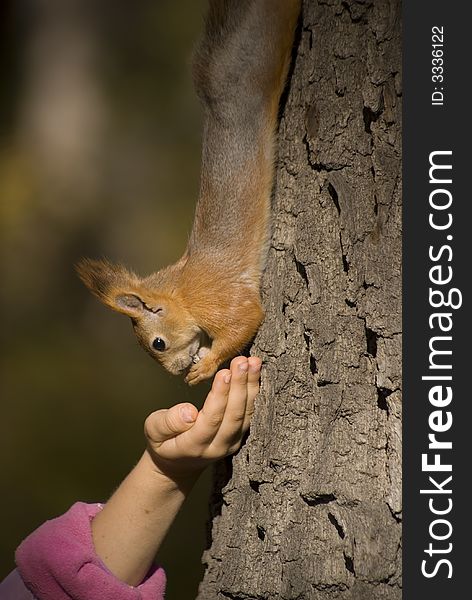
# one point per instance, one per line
(312, 507)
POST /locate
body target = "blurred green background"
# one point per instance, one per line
(99, 156)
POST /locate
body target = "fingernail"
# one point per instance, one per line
(227, 378)
(187, 414)
(243, 367)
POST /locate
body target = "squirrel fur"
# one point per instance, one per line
(201, 311)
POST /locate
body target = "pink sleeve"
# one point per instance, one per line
(58, 562)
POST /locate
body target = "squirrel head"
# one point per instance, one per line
(162, 324)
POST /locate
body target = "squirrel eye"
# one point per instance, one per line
(159, 344)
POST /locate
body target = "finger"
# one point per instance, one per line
(253, 384)
(231, 428)
(254, 374)
(212, 413)
(164, 424)
(236, 408)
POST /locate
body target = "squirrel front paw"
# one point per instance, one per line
(203, 369)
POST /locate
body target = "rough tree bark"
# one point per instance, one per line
(312, 507)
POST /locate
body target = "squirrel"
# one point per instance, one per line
(201, 311)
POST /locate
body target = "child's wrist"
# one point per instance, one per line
(168, 473)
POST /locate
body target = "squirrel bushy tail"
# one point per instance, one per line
(241, 63)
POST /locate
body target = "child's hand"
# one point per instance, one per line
(183, 440)
(131, 526)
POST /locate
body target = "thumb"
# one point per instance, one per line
(167, 423)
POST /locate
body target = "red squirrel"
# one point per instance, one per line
(201, 311)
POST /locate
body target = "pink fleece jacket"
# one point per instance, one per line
(58, 562)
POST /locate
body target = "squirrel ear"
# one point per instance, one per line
(112, 284)
(129, 304)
